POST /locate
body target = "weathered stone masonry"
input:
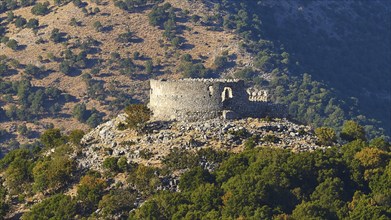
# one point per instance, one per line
(201, 99)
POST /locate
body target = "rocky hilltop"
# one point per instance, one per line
(149, 148)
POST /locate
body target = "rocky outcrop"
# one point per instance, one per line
(149, 148)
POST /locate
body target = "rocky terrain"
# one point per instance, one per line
(107, 140)
(266, 43)
(71, 66)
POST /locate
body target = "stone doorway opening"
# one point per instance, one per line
(226, 94)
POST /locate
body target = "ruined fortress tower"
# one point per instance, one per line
(201, 99)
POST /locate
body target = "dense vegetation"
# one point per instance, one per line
(269, 183)
(351, 181)
(301, 56)
(326, 75)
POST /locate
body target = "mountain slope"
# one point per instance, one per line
(103, 52)
(113, 80)
(344, 44)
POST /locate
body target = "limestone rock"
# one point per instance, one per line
(107, 140)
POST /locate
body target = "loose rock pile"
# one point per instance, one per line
(107, 140)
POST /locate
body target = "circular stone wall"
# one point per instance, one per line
(193, 99)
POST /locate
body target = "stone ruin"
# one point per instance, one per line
(202, 99)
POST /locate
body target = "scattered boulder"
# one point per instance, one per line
(160, 137)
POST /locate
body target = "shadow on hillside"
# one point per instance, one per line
(136, 40)
(44, 74)
(94, 50)
(144, 58)
(62, 37)
(7, 136)
(181, 19)
(187, 46)
(33, 134)
(92, 62)
(82, 5)
(105, 75)
(141, 77)
(157, 72)
(69, 98)
(9, 72)
(74, 72)
(21, 47)
(40, 27)
(180, 29)
(203, 58)
(106, 29)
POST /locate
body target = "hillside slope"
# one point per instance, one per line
(67, 68)
(85, 61)
(105, 79)
(343, 44)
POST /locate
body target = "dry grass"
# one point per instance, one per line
(206, 43)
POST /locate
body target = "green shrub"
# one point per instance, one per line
(125, 37)
(137, 116)
(55, 35)
(13, 44)
(122, 164)
(149, 66)
(136, 55)
(78, 3)
(75, 136)
(245, 74)
(10, 16)
(111, 164)
(32, 70)
(194, 178)
(117, 202)
(220, 62)
(160, 14)
(5, 39)
(24, 130)
(74, 22)
(351, 131)
(95, 119)
(32, 23)
(65, 67)
(80, 112)
(54, 173)
(90, 191)
(251, 142)
(20, 22)
(180, 159)
(98, 26)
(59, 206)
(52, 138)
(18, 166)
(191, 70)
(40, 8)
(326, 136)
(145, 179)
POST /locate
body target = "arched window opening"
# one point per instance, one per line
(227, 94)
